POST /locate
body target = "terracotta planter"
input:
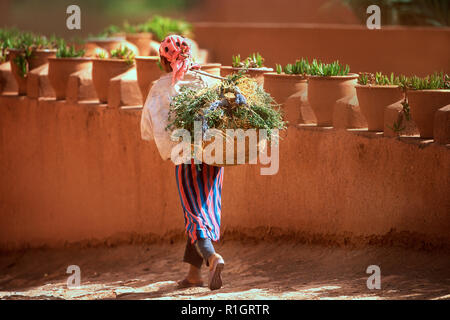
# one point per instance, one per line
(59, 70)
(113, 43)
(148, 71)
(282, 86)
(40, 57)
(213, 68)
(256, 73)
(37, 59)
(423, 105)
(373, 100)
(324, 92)
(103, 70)
(141, 41)
(90, 49)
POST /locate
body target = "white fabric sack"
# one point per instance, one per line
(155, 113)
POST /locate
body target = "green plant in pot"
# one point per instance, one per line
(104, 69)
(160, 27)
(328, 83)
(8, 37)
(27, 52)
(375, 92)
(109, 40)
(252, 66)
(136, 34)
(288, 86)
(426, 95)
(68, 60)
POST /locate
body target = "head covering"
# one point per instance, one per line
(177, 51)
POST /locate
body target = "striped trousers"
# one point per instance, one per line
(200, 190)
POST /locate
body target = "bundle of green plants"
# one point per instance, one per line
(319, 68)
(124, 53)
(238, 102)
(161, 27)
(380, 79)
(300, 66)
(65, 51)
(255, 60)
(430, 82)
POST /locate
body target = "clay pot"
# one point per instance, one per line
(141, 40)
(423, 105)
(373, 100)
(282, 86)
(256, 73)
(91, 49)
(59, 70)
(38, 58)
(113, 43)
(103, 70)
(21, 80)
(324, 92)
(148, 71)
(213, 68)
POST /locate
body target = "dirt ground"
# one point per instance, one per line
(253, 270)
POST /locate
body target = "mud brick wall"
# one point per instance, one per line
(73, 172)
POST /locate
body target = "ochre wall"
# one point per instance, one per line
(392, 49)
(78, 172)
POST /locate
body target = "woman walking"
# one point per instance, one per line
(199, 185)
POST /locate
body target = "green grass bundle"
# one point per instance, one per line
(236, 103)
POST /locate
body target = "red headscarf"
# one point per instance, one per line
(178, 52)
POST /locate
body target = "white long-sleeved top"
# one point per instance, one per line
(155, 113)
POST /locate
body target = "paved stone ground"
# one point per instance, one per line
(254, 270)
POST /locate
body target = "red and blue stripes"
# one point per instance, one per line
(200, 190)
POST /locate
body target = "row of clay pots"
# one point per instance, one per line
(423, 104)
(372, 99)
(140, 44)
(324, 92)
(103, 70)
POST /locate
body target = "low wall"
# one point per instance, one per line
(409, 51)
(78, 171)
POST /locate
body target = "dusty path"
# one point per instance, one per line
(261, 270)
